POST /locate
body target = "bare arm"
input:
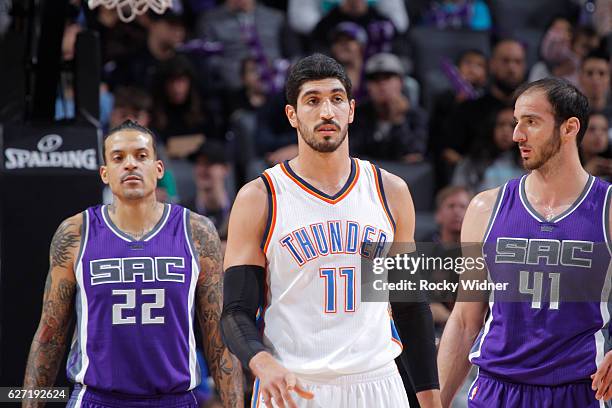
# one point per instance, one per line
(246, 226)
(402, 209)
(246, 229)
(467, 318)
(50, 338)
(224, 367)
(602, 378)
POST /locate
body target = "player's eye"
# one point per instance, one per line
(116, 158)
(338, 99)
(311, 101)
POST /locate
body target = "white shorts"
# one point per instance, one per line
(381, 388)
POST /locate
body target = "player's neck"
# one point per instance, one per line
(326, 171)
(135, 217)
(558, 182)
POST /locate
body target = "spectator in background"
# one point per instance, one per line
(380, 29)
(562, 49)
(595, 81)
(245, 29)
(463, 129)
(131, 103)
(472, 68)
(595, 152)
(275, 139)
(165, 33)
(117, 39)
(252, 94)
(493, 162)
(456, 14)
(451, 205)
(304, 15)
(348, 42)
(179, 116)
(386, 125)
(210, 173)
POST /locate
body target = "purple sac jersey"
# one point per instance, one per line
(551, 324)
(135, 307)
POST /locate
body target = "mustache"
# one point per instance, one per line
(327, 123)
(131, 174)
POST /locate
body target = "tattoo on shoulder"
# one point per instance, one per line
(205, 238)
(66, 237)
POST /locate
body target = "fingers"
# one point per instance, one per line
(287, 397)
(303, 393)
(276, 396)
(265, 396)
(602, 382)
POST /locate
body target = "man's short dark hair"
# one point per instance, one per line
(566, 101)
(131, 97)
(129, 125)
(596, 54)
(312, 68)
(470, 51)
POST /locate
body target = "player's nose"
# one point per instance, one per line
(326, 110)
(518, 135)
(130, 162)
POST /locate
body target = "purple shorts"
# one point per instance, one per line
(86, 397)
(488, 392)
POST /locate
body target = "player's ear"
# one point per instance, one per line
(351, 111)
(571, 127)
(291, 115)
(159, 167)
(104, 174)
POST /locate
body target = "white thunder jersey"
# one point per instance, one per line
(315, 322)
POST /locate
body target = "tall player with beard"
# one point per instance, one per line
(296, 239)
(547, 234)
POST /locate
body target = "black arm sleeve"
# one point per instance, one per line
(416, 328)
(243, 291)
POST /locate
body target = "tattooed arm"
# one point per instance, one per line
(224, 367)
(50, 339)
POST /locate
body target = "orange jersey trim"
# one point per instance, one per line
(273, 205)
(316, 194)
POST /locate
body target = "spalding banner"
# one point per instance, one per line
(65, 148)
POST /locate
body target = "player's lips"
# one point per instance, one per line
(327, 129)
(525, 151)
(130, 177)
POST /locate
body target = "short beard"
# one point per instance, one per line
(548, 151)
(324, 145)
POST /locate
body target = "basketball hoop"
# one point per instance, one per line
(129, 9)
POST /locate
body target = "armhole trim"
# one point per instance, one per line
(381, 194)
(271, 220)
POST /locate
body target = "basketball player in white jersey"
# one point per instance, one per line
(295, 243)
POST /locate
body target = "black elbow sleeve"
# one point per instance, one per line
(243, 294)
(415, 325)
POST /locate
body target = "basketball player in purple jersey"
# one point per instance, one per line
(547, 234)
(135, 272)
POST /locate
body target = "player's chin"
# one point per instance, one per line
(133, 193)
